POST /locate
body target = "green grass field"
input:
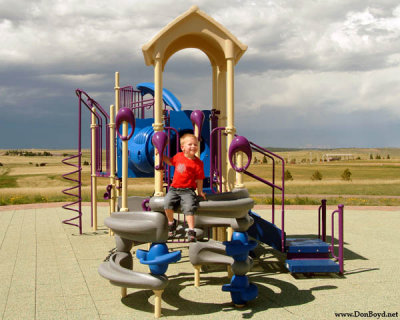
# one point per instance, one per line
(38, 178)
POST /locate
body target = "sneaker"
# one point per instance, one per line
(191, 235)
(172, 229)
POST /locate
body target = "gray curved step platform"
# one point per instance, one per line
(240, 224)
(210, 252)
(122, 277)
(134, 203)
(140, 226)
(234, 204)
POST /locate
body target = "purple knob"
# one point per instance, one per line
(107, 194)
(159, 140)
(197, 118)
(240, 143)
(125, 114)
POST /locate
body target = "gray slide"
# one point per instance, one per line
(123, 277)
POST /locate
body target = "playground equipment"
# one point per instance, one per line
(225, 223)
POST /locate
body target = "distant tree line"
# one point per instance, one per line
(25, 153)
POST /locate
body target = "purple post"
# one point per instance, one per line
(240, 143)
(125, 114)
(341, 240)
(159, 140)
(197, 118)
(323, 219)
(340, 256)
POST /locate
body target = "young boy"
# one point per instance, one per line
(188, 176)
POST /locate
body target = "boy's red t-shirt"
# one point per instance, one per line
(187, 171)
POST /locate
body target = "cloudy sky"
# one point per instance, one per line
(317, 73)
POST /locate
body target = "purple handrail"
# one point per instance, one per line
(322, 226)
(167, 177)
(274, 186)
(215, 159)
(340, 258)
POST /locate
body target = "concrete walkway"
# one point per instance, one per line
(49, 271)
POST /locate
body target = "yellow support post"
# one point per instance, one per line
(94, 178)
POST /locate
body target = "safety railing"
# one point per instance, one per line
(68, 191)
(216, 159)
(102, 121)
(322, 231)
(256, 148)
(133, 99)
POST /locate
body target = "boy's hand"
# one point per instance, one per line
(203, 195)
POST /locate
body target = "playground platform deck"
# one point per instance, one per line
(49, 271)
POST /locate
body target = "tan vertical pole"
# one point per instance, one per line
(197, 275)
(124, 198)
(157, 303)
(230, 115)
(112, 161)
(222, 120)
(214, 87)
(94, 178)
(221, 101)
(158, 125)
(116, 88)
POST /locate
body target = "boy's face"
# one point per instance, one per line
(189, 146)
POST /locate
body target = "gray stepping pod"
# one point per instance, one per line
(134, 203)
(240, 224)
(123, 277)
(234, 204)
(140, 226)
(210, 252)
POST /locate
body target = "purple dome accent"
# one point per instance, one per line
(240, 143)
(159, 140)
(197, 118)
(125, 114)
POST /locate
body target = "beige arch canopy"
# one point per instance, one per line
(195, 29)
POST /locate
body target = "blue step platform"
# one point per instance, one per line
(312, 265)
(298, 245)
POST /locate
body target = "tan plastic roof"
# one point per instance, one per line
(194, 29)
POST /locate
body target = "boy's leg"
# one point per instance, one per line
(170, 201)
(170, 215)
(189, 206)
(190, 221)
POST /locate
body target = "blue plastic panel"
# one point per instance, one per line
(309, 265)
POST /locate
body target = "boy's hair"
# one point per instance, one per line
(185, 136)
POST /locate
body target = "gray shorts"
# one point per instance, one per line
(185, 197)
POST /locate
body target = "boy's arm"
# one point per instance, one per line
(164, 158)
(200, 192)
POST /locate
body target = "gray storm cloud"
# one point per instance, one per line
(308, 62)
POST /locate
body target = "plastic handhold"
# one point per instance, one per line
(158, 258)
(107, 194)
(240, 143)
(159, 140)
(125, 114)
(197, 118)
